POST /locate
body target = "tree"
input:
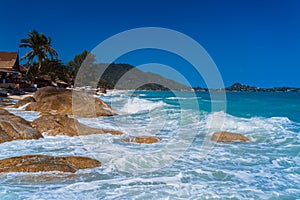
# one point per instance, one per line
(51, 70)
(55, 70)
(40, 47)
(85, 58)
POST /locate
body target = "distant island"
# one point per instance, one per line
(238, 87)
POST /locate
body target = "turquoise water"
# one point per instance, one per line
(268, 167)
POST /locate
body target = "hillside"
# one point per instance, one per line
(126, 77)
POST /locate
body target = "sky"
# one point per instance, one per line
(255, 42)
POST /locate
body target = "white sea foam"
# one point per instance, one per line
(247, 125)
(182, 98)
(28, 115)
(136, 105)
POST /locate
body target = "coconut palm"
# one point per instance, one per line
(40, 47)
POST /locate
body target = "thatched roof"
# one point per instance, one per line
(9, 61)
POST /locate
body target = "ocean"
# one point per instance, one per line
(185, 164)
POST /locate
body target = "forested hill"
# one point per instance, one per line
(126, 77)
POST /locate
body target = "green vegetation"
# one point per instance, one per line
(125, 76)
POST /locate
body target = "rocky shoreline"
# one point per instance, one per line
(58, 117)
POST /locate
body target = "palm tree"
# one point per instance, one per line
(40, 47)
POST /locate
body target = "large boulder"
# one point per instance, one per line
(61, 124)
(24, 101)
(45, 163)
(13, 127)
(63, 101)
(142, 139)
(224, 136)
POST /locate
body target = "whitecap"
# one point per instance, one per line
(136, 105)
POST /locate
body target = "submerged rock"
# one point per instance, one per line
(61, 124)
(142, 139)
(13, 127)
(63, 101)
(224, 136)
(44, 163)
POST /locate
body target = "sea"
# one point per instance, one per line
(185, 164)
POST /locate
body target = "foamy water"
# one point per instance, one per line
(268, 167)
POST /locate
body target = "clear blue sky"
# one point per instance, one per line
(255, 42)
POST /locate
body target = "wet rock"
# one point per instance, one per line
(63, 101)
(24, 101)
(13, 127)
(224, 136)
(142, 139)
(61, 124)
(45, 163)
(4, 112)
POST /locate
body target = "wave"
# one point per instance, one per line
(28, 115)
(257, 128)
(136, 105)
(99, 122)
(249, 124)
(109, 99)
(182, 98)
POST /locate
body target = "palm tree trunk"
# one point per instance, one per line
(40, 61)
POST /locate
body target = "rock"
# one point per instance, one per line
(24, 101)
(142, 139)
(13, 127)
(63, 101)
(224, 136)
(61, 124)
(85, 105)
(45, 163)
(41, 93)
(5, 115)
(4, 112)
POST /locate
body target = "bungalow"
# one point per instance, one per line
(10, 70)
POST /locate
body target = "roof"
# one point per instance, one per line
(22, 68)
(8, 59)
